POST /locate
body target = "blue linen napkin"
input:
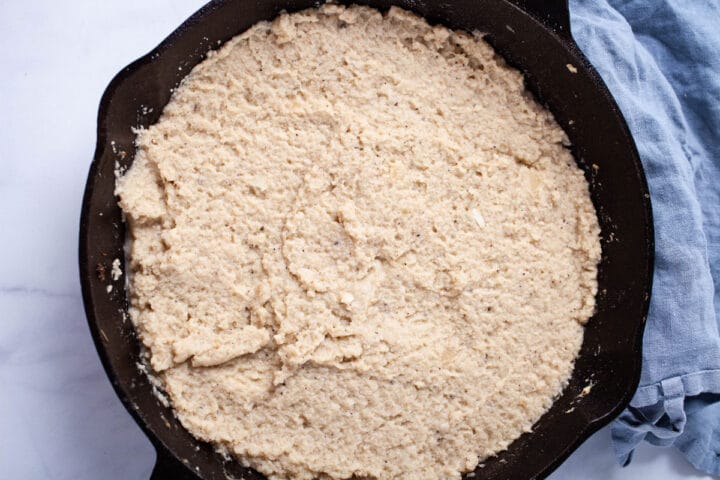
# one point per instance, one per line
(661, 61)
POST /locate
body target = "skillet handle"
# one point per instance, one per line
(555, 14)
(167, 467)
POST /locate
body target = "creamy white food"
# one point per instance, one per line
(359, 249)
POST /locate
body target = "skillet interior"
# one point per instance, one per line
(541, 46)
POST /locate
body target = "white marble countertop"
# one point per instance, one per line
(59, 417)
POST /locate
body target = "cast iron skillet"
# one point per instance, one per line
(533, 35)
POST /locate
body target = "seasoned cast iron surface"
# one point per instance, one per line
(607, 371)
